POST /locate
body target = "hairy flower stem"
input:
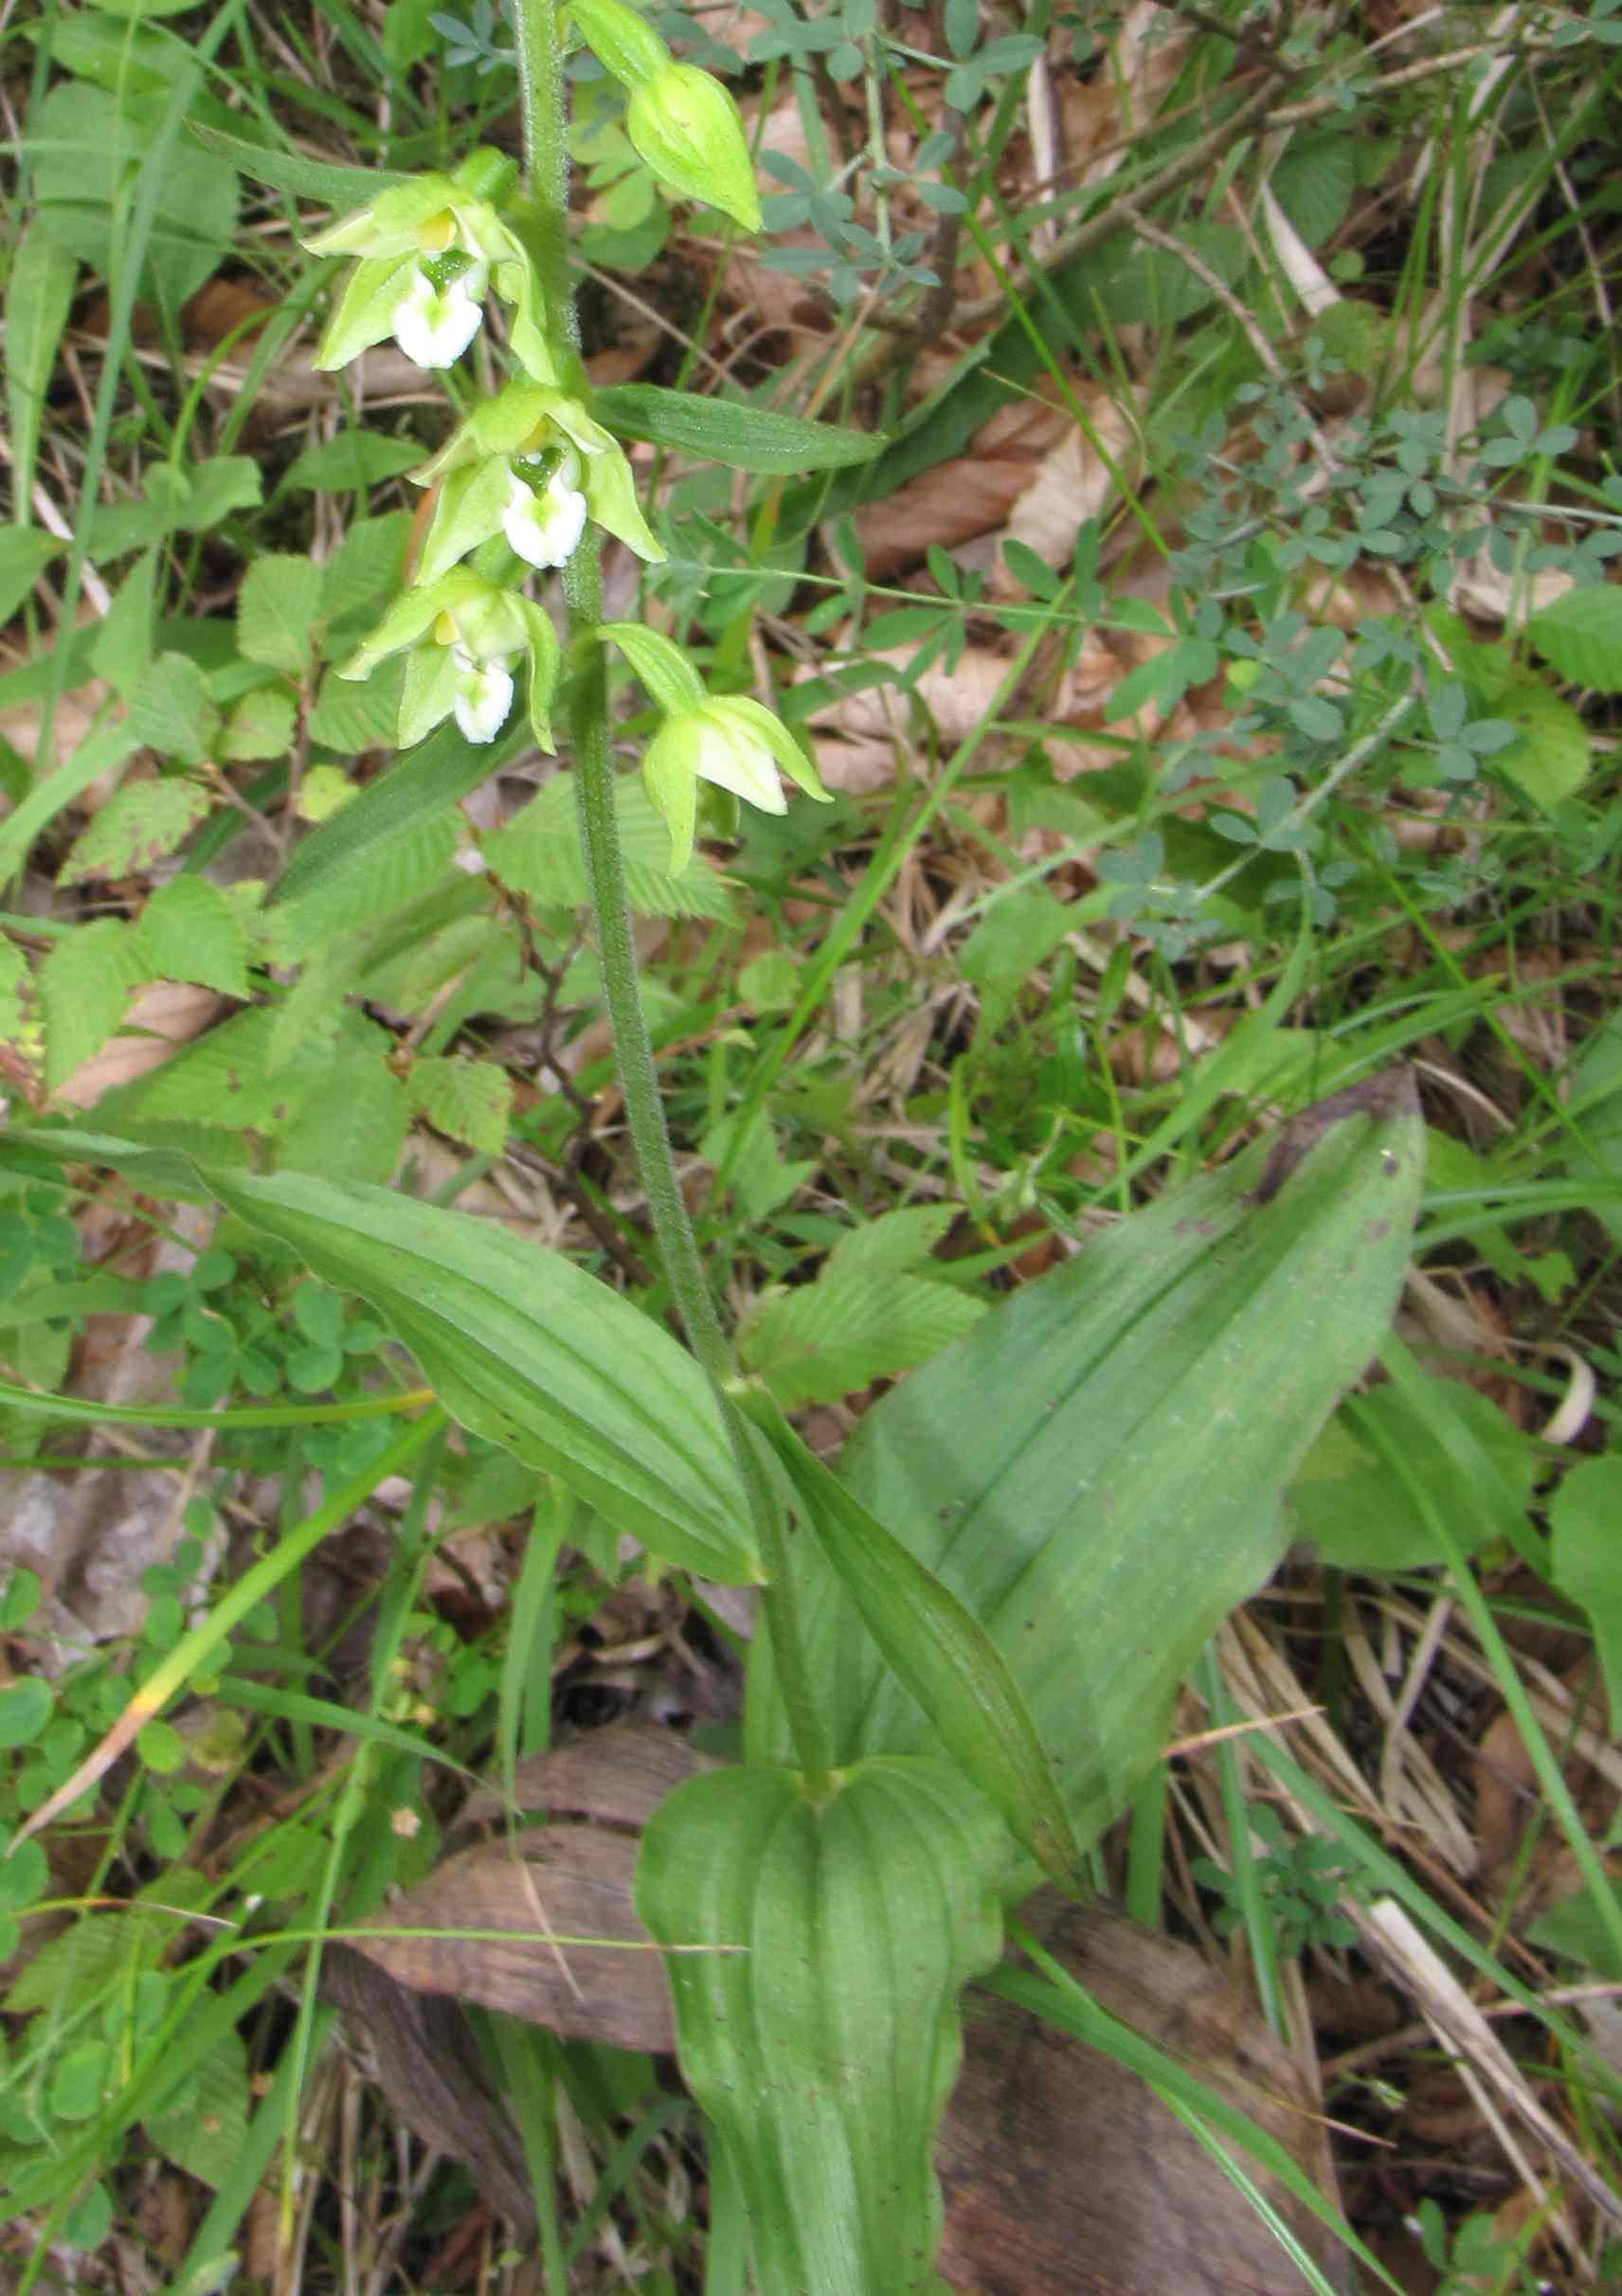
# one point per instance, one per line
(543, 225)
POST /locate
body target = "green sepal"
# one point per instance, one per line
(686, 128)
(387, 226)
(472, 501)
(408, 618)
(365, 307)
(785, 750)
(726, 430)
(428, 696)
(671, 681)
(670, 775)
(546, 662)
(516, 284)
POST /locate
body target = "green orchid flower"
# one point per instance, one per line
(533, 465)
(728, 741)
(429, 251)
(463, 639)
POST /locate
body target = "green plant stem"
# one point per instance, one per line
(544, 223)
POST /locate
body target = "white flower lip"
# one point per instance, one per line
(545, 528)
(435, 326)
(484, 696)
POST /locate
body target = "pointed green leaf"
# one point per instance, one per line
(189, 931)
(39, 295)
(25, 553)
(531, 1352)
(1586, 1519)
(173, 712)
(334, 186)
(744, 437)
(824, 2051)
(936, 1651)
(1580, 634)
(444, 769)
(278, 612)
(1096, 1470)
(85, 982)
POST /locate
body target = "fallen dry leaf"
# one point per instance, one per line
(970, 495)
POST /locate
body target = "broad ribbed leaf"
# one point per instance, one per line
(824, 2049)
(531, 1352)
(1096, 1470)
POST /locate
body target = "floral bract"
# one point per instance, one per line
(533, 465)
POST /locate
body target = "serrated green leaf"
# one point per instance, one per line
(1549, 760)
(470, 1101)
(363, 574)
(85, 982)
(351, 462)
(353, 1125)
(218, 487)
(173, 712)
(139, 824)
(1580, 634)
(531, 1352)
(730, 431)
(389, 872)
(189, 931)
(1313, 183)
(261, 725)
(864, 1318)
(351, 717)
(101, 1950)
(25, 553)
(820, 2033)
(205, 2130)
(278, 612)
(39, 295)
(1095, 1471)
(538, 854)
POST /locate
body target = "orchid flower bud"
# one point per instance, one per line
(686, 126)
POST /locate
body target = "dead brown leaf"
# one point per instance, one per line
(1063, 2175)
(970, 495)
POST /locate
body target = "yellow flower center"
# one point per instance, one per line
(438, 233)
(445, 631)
